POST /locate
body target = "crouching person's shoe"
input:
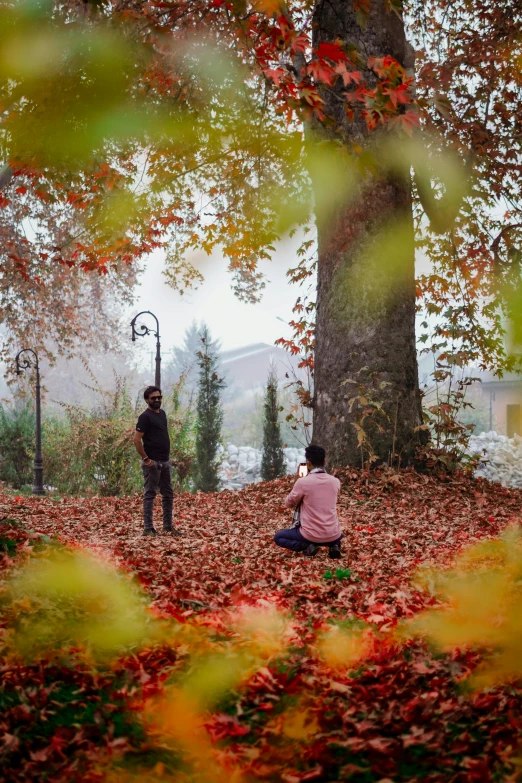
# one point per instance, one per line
(334, 552)
(149, 531)
(311, 550)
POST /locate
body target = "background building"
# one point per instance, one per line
(504, 398)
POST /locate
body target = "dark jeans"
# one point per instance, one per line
(158, 477)
(294, 540)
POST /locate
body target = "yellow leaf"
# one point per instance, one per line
(300, 724)
(341, 648)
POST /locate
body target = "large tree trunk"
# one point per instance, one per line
(366, 296)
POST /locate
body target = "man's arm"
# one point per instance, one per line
(138, 442)
(295, 495)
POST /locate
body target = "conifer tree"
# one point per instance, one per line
(184, 360)
(273, 461)
(209, 416)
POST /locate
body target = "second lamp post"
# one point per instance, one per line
(142, 332)
(21, 365)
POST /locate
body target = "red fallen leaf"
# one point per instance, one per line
(417, 736)
(339, 686)
(381, 744)
(421, 668)
(120, 743)
(297, 777)
(375, 618)
(10, 743)
(221, 726)
(40, 755)
(356, 744)
(349, 770)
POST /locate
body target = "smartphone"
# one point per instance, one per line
(302, 470)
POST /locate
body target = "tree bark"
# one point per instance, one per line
(365, 329)
(6, 175)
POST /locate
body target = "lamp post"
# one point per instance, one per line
(142, 332)
(26, 364)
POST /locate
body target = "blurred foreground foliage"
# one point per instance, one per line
(64, 608)
(477, 607)
(481, 595)
(64, 601)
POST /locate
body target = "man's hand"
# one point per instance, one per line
(148, 462)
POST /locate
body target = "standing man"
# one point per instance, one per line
(153, 445)
(315, 497)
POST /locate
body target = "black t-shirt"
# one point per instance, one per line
(156, 441)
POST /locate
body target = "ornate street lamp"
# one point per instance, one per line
(21, 365)
(142, 332)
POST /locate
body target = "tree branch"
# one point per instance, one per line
(440, 211)
(495, 245)
(6, 175)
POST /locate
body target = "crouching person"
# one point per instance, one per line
(315, 520)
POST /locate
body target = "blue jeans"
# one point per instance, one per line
(293, 539)
(158, 477)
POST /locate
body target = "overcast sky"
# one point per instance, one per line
(231, 321)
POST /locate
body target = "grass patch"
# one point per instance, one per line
(7, 545)
(339, 573)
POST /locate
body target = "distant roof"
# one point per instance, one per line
(488, 378)
(255, 349)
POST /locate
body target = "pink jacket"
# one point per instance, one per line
(318, 491)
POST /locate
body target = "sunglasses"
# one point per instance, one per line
(159, 397)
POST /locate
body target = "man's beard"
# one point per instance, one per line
(156, 404)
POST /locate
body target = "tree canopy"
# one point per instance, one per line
(183, 125)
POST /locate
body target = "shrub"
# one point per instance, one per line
(182, 422)
(17, 438)
(273, 461)
(209, 417)
(91, 450)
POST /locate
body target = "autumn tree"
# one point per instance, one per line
(245, 115)
(273, 459)
(49, 104)
(366, 259)
(209, 417)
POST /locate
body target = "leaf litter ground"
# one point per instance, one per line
(400, 715)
